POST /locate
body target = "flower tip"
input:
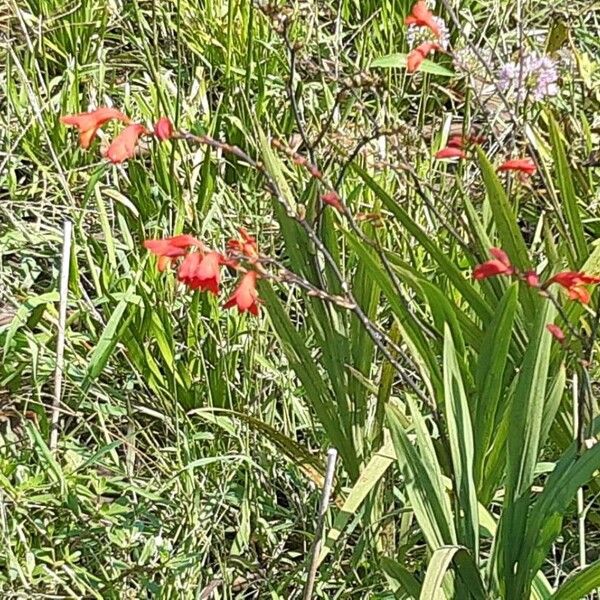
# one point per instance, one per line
(450, 152)
(532, 279)
(333, 199)
(124, 145)
(163, 129)
(418, 55)
(499, 265)
(556, 332)
(522, 165)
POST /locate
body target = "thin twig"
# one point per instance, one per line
(292, 96)
(60, 340)
(323, 505)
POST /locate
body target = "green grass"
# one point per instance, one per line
(192, 439)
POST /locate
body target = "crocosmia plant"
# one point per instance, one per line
(299, 300)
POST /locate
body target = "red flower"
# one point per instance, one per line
(456, 141)
(499, 265)
(450, 152)
(418, 55)
(246, 246)
(88, 123)
(123, 146)
(531, 278)
(574, 282)
(557, 332)
(460, 141)
(421, 16)
(332, 198)
(523, 165)
(170, 248)
(245, 296)
(163, 129)
(201, 272)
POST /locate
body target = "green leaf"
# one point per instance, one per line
(508, 230)
(528, 406)
(553, 402)
(306, 369)
(573, 470)
(92, 460)
(454, 274)
(460, 435)
(22, 315)
(526, 414)
(464, 566)
(295, 452)
(567, 193)
(398, 61)
(425, 493)
(54, 469)
(411, 332)
(109, 338)
(402, 575)
(366, 482)
(580, 584)
(489, 373)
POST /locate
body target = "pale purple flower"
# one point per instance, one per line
(534, 75)
(507, 75)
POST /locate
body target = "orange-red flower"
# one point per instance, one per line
(574, 282)
(163, 129)
(418, 55)
(333, 199)
(523, 165)
(456, 145)
(246, 246)
(450, 152)
(420, 15)
(456, 141)
(245, 296)
(123, 146)
(172, 247)
(499, 265)
(201, 271)
(557, 332)
(88, 123)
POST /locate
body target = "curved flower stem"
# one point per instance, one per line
(379, 338)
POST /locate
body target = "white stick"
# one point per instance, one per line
(324, 504)
(60, 340)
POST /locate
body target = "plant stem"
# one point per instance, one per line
(60, 340)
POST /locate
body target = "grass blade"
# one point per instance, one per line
(460, 434)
